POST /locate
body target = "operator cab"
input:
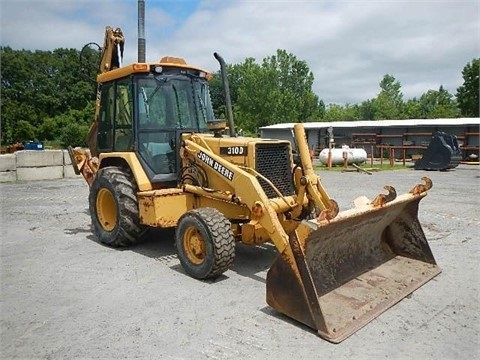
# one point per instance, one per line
(164, 101)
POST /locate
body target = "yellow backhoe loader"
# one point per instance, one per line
(159, 158)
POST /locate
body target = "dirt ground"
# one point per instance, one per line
(65, 296)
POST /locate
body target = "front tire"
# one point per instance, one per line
(114, 207)
(205, 243)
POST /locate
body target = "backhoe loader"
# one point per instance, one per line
(158, 158)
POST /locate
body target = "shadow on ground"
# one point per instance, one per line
(159, 244)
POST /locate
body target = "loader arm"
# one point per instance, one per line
(314, 189)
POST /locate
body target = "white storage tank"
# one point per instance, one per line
(354, 156)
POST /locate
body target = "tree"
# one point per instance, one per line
(437, 104)
(468, 93)
(236, 74)
(24, 131)
(336, 112)
(411, 109)
(74, 134)
(41, 85)
(366, 110)
(17, 89)
(249, 87)
(217, 96)
(277, 91)
(388, 104)
(294, 81)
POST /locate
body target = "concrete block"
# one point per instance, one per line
(36, 158)
(68, 172)
(40, 173)
(66, 158)
(8, 162)
(8, 176)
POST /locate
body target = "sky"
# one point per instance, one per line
(348, 45)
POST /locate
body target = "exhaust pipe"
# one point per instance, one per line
(226, 89)
(141, 31)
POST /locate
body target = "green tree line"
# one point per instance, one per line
(279, 90)
(49, 96)
(46, 96)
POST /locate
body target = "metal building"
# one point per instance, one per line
(408, 138)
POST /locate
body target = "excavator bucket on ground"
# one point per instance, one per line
(338, 275)
(443, 153)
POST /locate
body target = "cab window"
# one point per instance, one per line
(115, 131)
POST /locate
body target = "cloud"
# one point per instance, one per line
(348, 45)
(47, 25)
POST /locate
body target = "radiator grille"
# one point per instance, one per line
(273, 162)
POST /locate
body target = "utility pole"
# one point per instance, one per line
(141, 31)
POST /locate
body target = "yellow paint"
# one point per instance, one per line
(137, 170)
(160, 209)
(106, 209)
(144, 68)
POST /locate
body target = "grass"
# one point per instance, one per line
(366, 166)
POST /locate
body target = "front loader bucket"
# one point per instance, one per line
(337, 276)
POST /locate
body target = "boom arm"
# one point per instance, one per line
(111, 58)
(112, 51)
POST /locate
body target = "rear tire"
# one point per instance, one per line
(114, 207)
(205, 243)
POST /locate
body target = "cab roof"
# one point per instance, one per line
(167, 61)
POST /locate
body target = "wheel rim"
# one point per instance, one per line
(194, 245)
(106, 209)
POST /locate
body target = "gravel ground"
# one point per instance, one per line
(65, 296)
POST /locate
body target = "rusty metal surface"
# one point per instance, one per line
(359, 240)
(290, 289)
(354, 304)
(83, 163)
(350, 270)
(73, 160)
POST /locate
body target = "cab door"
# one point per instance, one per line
(115, 128)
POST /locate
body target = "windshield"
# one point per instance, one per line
(204, 103)
(169, 104)
(174, 102)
